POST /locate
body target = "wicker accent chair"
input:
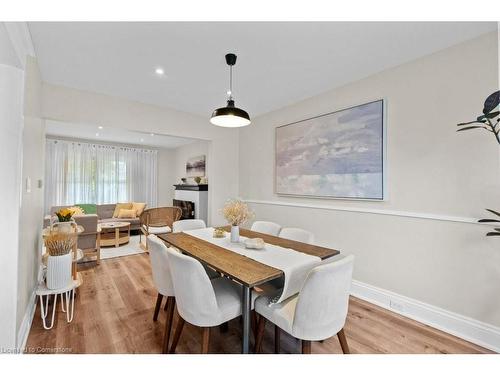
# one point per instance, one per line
(158, 220)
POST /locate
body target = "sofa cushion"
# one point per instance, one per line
(121, 206)
(105, 211)
(127, 214)
(138, 207)
(88, 208)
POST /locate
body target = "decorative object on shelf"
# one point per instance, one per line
(195, 166)
(197, 180)
(230, 116)
(219, 232)
(183, 181)
(336, 155)
(236, 212)
(204, 180)
(254, 243)
(59, 243)
(487, 120)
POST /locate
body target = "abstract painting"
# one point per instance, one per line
(337, 155)
(195, 167)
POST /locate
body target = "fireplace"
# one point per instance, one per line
(187, 208)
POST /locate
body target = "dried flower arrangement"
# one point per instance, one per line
(65, 214)
(236, 212)
(60, 243)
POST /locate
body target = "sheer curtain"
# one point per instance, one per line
(79, 172)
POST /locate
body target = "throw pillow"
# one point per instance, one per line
(89, 209)
(120, 206)
(138, 207)
(127, 214)
(76, 210)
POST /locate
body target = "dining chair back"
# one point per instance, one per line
(160, 266)
(297, 234)
(183, 225)
(162, 279)
(195, 296)
(322, 303)
(267, 227)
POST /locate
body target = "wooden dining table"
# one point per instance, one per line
(243, 270)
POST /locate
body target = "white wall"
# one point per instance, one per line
(166, 177)
(11, 124)
(431, 170)
(31, 215)
(76, 106)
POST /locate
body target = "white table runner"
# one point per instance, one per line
(294, 264)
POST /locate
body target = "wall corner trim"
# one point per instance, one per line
(479, 333)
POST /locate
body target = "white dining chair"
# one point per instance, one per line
(200, 301)
(317, 312)
(183, 225)
(267, 227)
(163, 283)
(297, 234)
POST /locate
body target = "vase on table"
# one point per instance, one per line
(235, 233)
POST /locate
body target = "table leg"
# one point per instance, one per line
(246, 311)
(117, 237)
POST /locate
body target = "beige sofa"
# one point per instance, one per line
(87, 240)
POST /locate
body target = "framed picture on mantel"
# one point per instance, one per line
(336, 155)
(195, 166)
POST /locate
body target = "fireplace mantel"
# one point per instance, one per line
(191, 187)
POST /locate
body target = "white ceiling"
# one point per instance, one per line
(279, 63)
(106, 134)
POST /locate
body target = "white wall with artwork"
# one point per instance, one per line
(422, 242)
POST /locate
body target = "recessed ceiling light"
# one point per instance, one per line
(97, 134)
(159, 71)
(99, 127)
(152, 134)
(142, 139)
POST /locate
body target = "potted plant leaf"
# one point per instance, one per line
(488, 121)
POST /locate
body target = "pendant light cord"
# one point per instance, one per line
(230, 81)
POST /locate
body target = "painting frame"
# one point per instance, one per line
(196, 166)
(383, 159)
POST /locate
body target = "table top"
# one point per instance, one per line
(239, 267)
(114, 224)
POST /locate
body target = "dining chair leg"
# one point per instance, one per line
(157, 307)
(260, 334)
(343, 341)
(306, 347)
(253, 323)
(168, 323)
(277, 332)
(177, 334)
(205, 340)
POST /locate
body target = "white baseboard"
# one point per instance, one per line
(482, 334)
(24, 329)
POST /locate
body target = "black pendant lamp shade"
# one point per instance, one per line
(230, 116)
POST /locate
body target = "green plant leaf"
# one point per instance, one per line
(490, 234)
(471, 127)
(491, 102)
(493, 212)
(488, 221)
(472, 122)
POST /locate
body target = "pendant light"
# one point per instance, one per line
(230, 116)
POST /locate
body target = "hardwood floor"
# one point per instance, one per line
(114, 314)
